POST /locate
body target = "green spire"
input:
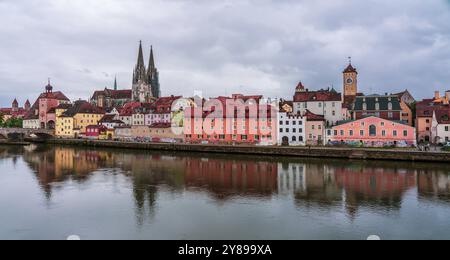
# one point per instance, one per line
(115, 83)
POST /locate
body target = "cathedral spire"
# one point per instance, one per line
(139, 71)
(151, 63)
(115, 82)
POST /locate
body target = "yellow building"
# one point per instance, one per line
(72, 122)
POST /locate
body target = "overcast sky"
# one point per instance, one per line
(223, 47)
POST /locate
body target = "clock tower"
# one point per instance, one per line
(350, 80)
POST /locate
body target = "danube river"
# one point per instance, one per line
(55, 192)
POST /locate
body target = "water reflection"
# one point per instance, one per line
(380, 186)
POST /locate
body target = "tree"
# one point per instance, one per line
(1, 119)
(13, 123)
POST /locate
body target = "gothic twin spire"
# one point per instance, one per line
(140, 72)
(148, 76)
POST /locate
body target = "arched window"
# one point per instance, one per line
(372, 130)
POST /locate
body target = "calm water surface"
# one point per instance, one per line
(54, 192)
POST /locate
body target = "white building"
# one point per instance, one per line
(440, 127)
(327, 103)
(31, 123)
(291, 129)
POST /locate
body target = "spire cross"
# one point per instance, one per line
(350, 60)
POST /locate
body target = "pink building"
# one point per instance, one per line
(372, 131)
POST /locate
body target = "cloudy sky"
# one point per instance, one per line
(223, 47)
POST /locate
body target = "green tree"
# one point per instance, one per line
(1, 119)
(14, 123)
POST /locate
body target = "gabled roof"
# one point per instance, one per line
(443, 116)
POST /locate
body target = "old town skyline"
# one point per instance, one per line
(391, 51)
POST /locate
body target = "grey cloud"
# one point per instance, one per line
(251, 46)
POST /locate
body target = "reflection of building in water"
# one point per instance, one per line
(375, 187)
(291, 178)
(432, 184)
(310, 183)
(232, 177)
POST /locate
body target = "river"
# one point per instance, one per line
(53, 192)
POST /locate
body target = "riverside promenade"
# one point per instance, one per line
(308, 152)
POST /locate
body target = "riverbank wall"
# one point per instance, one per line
(312, 152)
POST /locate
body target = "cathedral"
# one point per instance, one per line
(145, 81)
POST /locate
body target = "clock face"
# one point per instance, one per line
(349, 81)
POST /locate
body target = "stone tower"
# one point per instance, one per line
(153, 76)
(142, 91)
(350, 80)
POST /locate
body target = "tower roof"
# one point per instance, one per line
(15, 103)
(49, 87)
(151, 63)
(140, 61)
(350, 69)
(300, 87)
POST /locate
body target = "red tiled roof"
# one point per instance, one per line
(443, 116)
(161, 125)
(114, 94)
(310, 116)
(54, 95)
(321, 95)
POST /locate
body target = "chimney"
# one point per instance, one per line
(437, 95)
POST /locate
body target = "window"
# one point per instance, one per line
(446, 129)
(287, 130)
(383, 133)
(281, 130)
(300, 123)
(334, 113)
(405, 133)
(294, 123)
(390, 106)
(294, 130)
(394, 133)
(312, 127)
(287, 122)
(351, 132)
(372, 130)
(320, 104)
(342, 132)
(382, 123)
(428, 121)
(335, 132)
(294, 139)
(301, 138)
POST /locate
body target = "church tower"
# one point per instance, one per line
(153, 76)
(350, 80)
(142, 91)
